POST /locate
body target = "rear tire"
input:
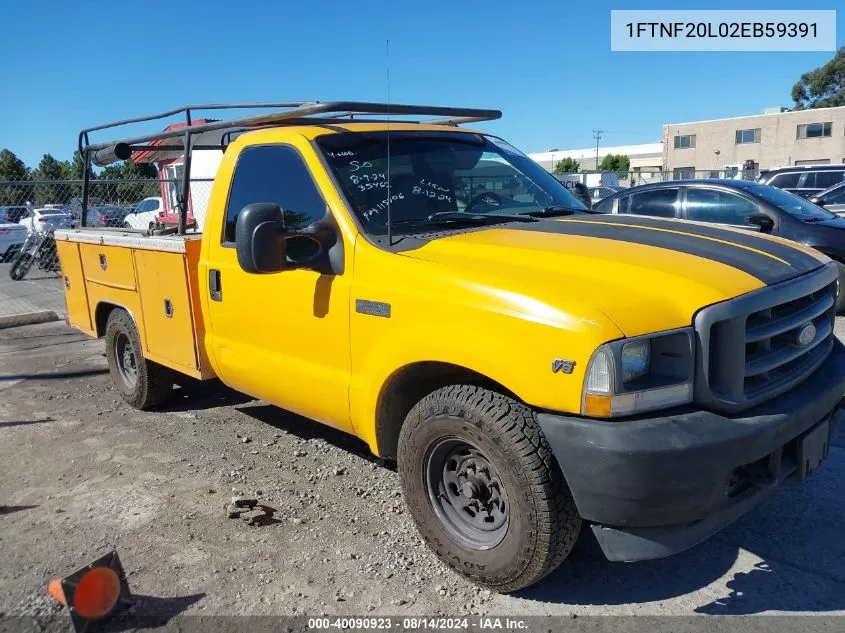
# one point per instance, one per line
(142, 383)
(467, 455)
(21, 267)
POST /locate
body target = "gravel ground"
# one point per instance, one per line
(82, 472)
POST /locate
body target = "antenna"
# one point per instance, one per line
(387, 68)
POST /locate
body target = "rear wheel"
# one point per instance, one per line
(142, 383)
(21, 267)
(484, 489)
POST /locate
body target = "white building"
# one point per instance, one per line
(646, 158)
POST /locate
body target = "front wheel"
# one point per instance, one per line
(484, 489)
(142, 383)
(21, 266)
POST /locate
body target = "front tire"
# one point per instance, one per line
(484, 489)
(142, 383)
(21, 267)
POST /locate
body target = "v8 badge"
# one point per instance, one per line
(565, 366)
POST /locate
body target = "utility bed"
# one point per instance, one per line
(153, 277)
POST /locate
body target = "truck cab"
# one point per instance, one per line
(426, 287)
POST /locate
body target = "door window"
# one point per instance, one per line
(711, 205)
(657, 202)
(273, 173)
(606, 205)
(825, 179)
(786, 181)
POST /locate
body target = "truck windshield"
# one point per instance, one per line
(436, 177)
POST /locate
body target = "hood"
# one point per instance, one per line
(644, 274)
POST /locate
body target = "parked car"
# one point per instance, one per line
(803, 180)
(41, 219)
(12, 237)
(144, 215)
(580, 191)
(739, 203)
(107, 215)
(13, 214)
(600, 193)
(832, 199)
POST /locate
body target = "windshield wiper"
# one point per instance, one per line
(454, 217)
(553, 211)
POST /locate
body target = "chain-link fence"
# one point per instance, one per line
(31, 210)
(642, 176)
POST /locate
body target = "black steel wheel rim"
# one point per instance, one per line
(124, 357)
(466, 493)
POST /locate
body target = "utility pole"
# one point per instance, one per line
(597, 134)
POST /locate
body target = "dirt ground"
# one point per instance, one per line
(81, 472)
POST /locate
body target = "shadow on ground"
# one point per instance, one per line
(789, 548)
(149, 612)
(196, 395)
(12, 509)
(54, 375)
(306, 429)
(4, 425)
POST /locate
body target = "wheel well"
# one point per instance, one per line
(101, 315)
(411, 384)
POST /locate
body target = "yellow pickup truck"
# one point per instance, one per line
(426, 287)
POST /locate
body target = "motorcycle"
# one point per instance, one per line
(39, 248)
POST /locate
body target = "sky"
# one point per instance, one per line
(546, 64)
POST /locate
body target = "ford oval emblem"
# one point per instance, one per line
(806, 334)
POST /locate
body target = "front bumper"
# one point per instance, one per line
(658, 484)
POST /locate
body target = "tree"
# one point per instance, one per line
(567, 166)
(127, 192)
(51, 169)
(78, 166)
(823, 87)
(615, 162)
(13, 169)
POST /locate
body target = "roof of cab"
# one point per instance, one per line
(314, 130)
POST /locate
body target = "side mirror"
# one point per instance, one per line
(816, 201)
(760, 219)
(260, 238)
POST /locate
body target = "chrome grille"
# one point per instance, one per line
(749, 348)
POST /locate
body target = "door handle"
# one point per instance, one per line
(215, 287)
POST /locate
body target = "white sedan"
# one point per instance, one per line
(144, 215)
(12, 237)
(41, 220)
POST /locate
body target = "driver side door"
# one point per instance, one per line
(284, 336)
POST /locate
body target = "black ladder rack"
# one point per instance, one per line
(282, 113)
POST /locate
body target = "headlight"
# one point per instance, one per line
(640, 374)
(635, 358)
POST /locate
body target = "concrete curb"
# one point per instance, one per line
(28, 318)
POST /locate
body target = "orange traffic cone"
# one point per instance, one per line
(54, 588)
(94, 592)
